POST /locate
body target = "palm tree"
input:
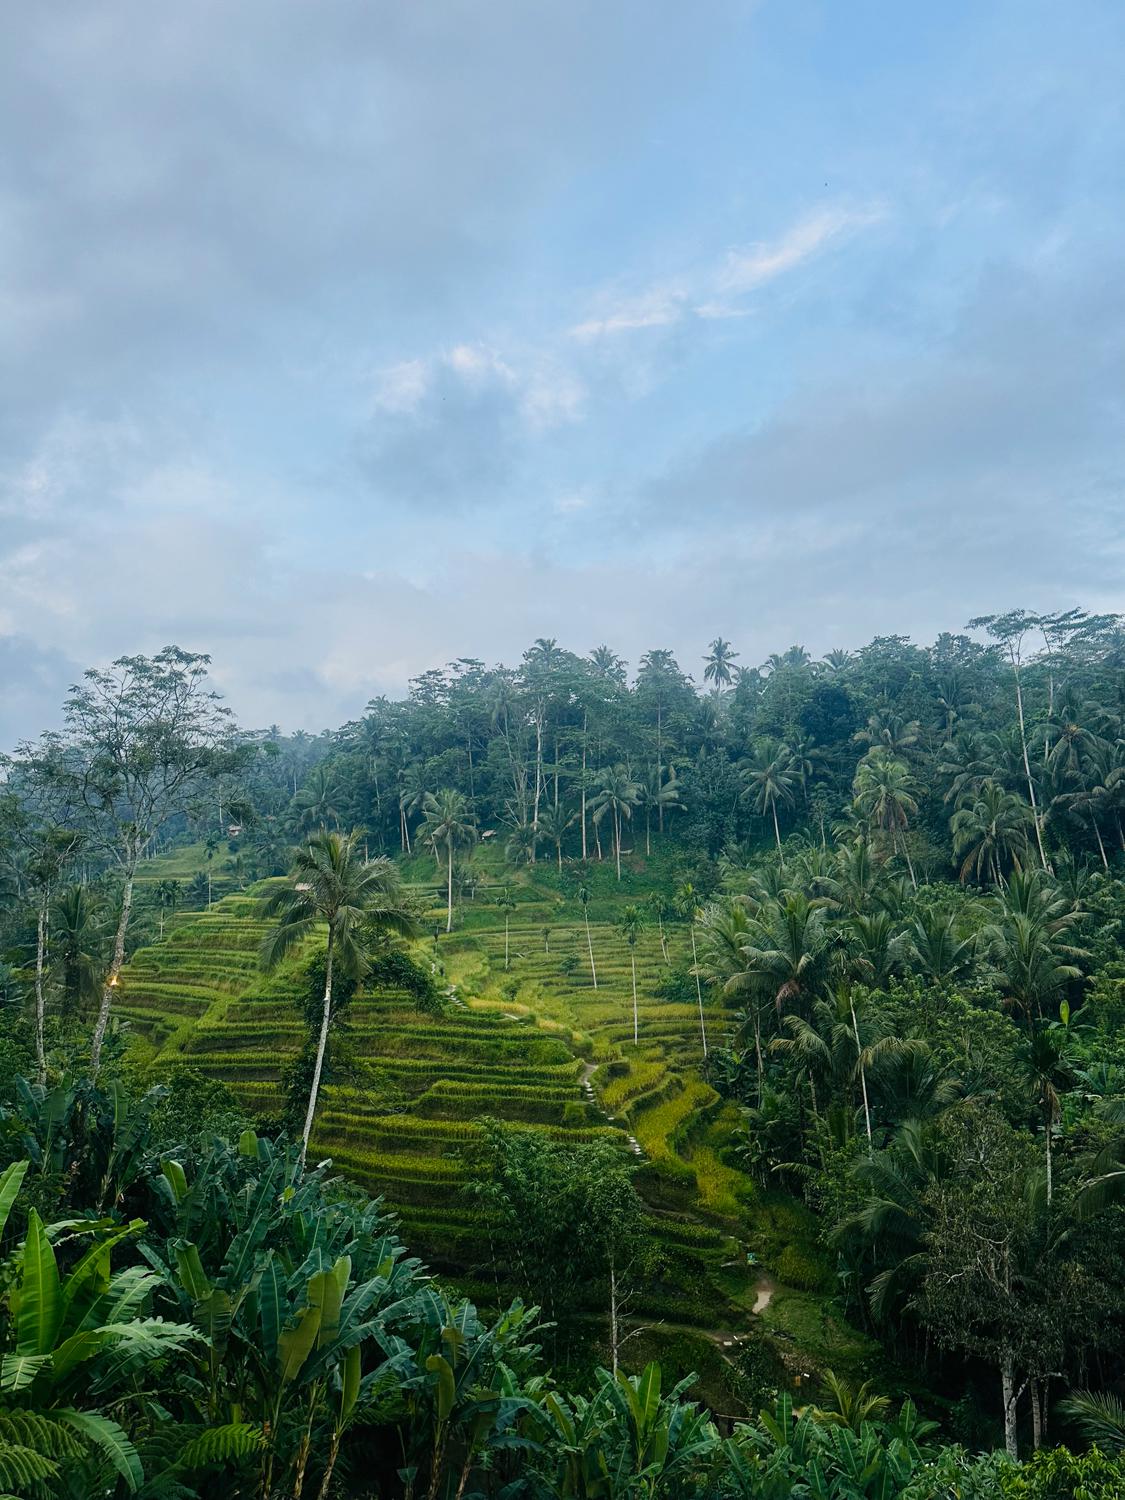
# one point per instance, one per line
(167, 898)
(507, 904)
(553, 823)
(883, 788)
(769, 778)
(618, 795)
(663, 798)
(1028, 940)
(584, 897)
(631, 926)
(687, 904)
(608, 664)
(663, 909)
(78, 926)
(317, 803)
(991, 832)
(411, 798)
(787, 946)
(1051, 1074)
(717, 668)
(888, 731)
(875, 949)
(935, 948)
(447, 820)
(330, 884)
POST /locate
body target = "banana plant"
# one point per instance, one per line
(299, 1299)
(627, 1441)
(82, 1336)
(470, 1395)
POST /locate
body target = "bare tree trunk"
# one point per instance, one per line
(114, 969)
(617, 838)
(1008, 1395)
(449, 891)
(1036, 1417)
(590, 946)
(40, 1000)
(505, 940)
(321, 1048)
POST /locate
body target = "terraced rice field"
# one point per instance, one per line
(535, 1043)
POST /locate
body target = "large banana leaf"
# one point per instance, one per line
(39, 1299)
(110, 1439)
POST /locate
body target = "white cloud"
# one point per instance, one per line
(401, 387)
(746, 270)
(710, 293)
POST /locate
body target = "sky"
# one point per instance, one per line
(341, 340)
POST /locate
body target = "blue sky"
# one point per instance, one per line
(342, 340)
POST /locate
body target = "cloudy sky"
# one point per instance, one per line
(342, 339)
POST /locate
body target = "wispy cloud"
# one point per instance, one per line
(746, 270)
(713, 293)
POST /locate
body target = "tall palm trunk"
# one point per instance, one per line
(321, 1048)
(584, 850)
(590, 946)
(617, 838)
(1027, 766)
(777, 831)
(633, 963)
(505, 940)
(40, 1000)
(114, 968)
(862, 1079)
(449, 888)
(698, 989)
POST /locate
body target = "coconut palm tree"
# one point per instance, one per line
(686, 901)
(1028, 940)
(883, 795)
(167, 895)
(553, 823)
(1050, 1073)
(631, 925)
(769, 779)
(356, 899)
(507, 904)
(617, 797)
(584, 897)
(991, 833)
(935, 947)
(317, 803)
(78, 925)
(447, 822)
(717, 663)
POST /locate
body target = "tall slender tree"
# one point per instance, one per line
(332, 886)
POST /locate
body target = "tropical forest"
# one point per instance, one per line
(575, 1080)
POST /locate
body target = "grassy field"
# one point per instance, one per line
(531, 1040)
